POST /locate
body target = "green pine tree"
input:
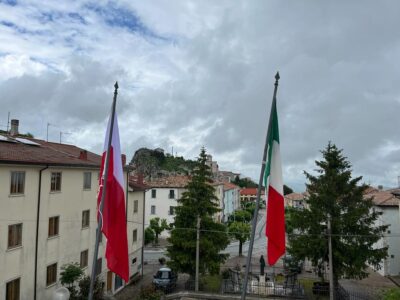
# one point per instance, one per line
(334, 192)
(198, 200)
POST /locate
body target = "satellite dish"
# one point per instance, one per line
(62, 293)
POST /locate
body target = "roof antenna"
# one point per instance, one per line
(8, 120)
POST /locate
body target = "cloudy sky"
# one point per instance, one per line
(194, 73)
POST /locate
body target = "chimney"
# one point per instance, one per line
(123, 158)
(14, 127)
(83, 155)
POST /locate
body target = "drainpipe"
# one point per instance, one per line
(37, 229)
(143, 233)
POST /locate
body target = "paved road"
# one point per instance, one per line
(259, 248)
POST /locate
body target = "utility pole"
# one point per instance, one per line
(196, 284)
(331, 289)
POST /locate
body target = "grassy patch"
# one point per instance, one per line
(211, 283)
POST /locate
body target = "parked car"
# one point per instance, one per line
(165, 279)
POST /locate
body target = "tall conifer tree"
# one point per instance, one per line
(198, 200)
(332, 191)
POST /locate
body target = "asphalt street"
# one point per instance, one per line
(259, 247)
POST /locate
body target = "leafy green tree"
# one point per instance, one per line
(250, 207)
(158, 226)
(245, 182)
(149, 236)
(333, 191)
(198, 200)
(69, 275)
(240, 216)
(239, 231)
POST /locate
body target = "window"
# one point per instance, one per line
(12, 289)
(55, 185)
(99, 263)
(85, 218)
(87, 180)
(51, 276)
(135, 206)
(171, 210)
(153, 193)
(53, 226)
(84, 258)
(134, 260)
(134, 236)
(14, 235)
(153, 209)
(17, 183)
(171, 194)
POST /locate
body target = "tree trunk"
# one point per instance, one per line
(240, 248)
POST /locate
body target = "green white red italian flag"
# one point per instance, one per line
(275, 229)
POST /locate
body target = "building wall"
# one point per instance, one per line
(391, 265)
(162, 202)
(62, 249)
(135, 222)
(219, 193)
(229, 202)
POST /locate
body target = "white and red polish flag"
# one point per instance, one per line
(114, 223)
(275, 229)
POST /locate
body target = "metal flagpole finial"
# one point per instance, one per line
(277, 77)
(116, 86)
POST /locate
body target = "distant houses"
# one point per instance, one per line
(163, 193)
(250, 195)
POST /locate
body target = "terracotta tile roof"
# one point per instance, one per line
(230, 186)
(136, 183)
(47, 153)
(295, 196)
(250, 191)
(381, 198)
(178, 181)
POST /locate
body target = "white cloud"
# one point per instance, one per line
(201, 73)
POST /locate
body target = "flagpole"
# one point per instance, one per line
(260, 182)
(104, 181)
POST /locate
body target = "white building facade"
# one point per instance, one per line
(48, 200)
(388, 204)
(161, 199)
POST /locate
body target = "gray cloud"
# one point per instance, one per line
(211, 82)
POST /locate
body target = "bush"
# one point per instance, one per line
(149, 236)
(162, 260)
(392, 294)
(149, 293)
(84, 285)
(69, 275)
(211, 283)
